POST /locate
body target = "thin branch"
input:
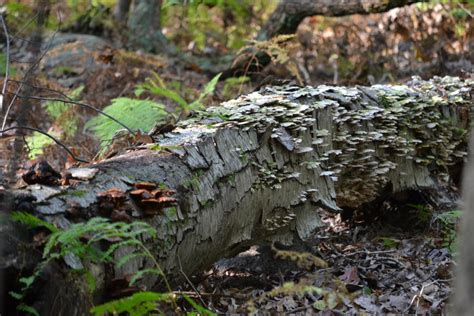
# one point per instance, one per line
(80, 104)
(26, 25)
(43, 88)
(466, 10)
(21, 61)
(22, 39)
(50, 136)
(189, 282)
(7, 63)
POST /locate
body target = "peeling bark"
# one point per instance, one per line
(258, 168)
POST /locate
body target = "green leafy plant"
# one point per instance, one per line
(32, 221)
(389, 242)
(449, 222)
(233, 86)
(81, 241)
(156, 85)
(3, 65)
(423, 212)
(62, 116)
(138, 304)
(197, 21)
(134, 113)
(36, 142)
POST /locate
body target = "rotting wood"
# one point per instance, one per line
(258, 168)
(289, 13)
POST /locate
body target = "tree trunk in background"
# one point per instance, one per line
(464, 290)
(122, 9)
(144, 26)
(258, 168)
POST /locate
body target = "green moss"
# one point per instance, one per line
(193, 183)
(163, 186)
(244, 157)
(78, 193)
(231, 179)
(159, 147)
(208, 203)
(171, 212)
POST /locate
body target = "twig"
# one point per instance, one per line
(27, 24)
(466, 10)
(43, 88)
(77, 103)
(190, 283)
(418, 296)
(193, 294)
(369, 252)
(50, 136)
(7, 63)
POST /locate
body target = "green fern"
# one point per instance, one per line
(136, 114)
(81, 239)
(449, 221)
(32, 221)
(156, 85)
(57, 108)
(36, 142)
(61, 115)
(138, 304)
(96, 229)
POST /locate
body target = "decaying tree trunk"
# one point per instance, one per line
(258, 168)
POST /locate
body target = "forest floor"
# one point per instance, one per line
(401, 267)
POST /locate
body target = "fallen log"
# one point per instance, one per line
(257, 169)
(289, 13)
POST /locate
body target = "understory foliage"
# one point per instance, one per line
(143, 115)
(79, 244)
(156, 85)
(449, 227)
(134, 113)
(64, 124)
(238, 20)
(279, 49)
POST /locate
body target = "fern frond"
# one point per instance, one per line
(141, 273)
(129, 257)
(136, 114)
(32, 221)
(138, 304)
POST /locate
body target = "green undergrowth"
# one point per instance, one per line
(448, 223)
(81, 243)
